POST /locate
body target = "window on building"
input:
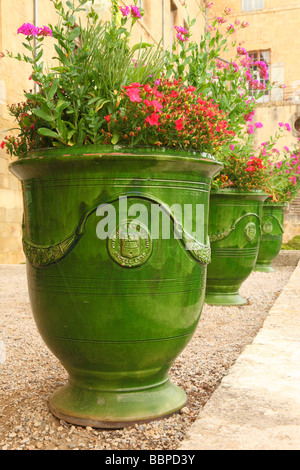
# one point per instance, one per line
(248, 5)
(264, 56)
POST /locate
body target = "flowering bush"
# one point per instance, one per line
(168, 115)
(243, 173)
(284, 168)
(236, 85)
(266, 167)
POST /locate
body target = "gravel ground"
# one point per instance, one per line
(30, 373)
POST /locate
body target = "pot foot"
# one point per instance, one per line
(116, 409)
(264, 268)
(224, 299)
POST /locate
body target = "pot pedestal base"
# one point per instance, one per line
(224, 299)
(264, 268)
(116, 409)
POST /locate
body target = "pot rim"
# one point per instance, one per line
(66, 157)
(232, 192)
(116, 150)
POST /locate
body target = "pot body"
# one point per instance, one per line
(235, 232)
(272, 234)
(116, 310)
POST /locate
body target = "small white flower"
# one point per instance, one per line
(98, 6)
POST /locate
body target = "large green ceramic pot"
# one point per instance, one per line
(116, 312)
(234, 232)
(272, 234)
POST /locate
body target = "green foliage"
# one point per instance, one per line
(93, 63)
(293, 244)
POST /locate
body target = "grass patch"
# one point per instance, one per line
(293, 244)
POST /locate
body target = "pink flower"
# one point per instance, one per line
(286, 148)
(153, 120)
(242, 51)
(179, 124)
(258, 125)
(293, 180)
(288, 127)
(135, 12)
(28, 29)
(232, 147)
(125, 11)
(250, 129)
(182, 33)
(134, 95)
(45, 31)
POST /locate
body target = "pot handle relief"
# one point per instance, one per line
(42, 255)
(222, 235)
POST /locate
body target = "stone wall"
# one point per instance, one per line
(292, 220)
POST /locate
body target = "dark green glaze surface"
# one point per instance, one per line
(272, 234)
(234, 231)
(116, 329)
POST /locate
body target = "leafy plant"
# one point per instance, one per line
(94, 62)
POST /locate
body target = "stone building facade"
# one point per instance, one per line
(158, 24)
(273, 36)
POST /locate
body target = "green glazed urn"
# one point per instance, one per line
(234, 232)
(272, 235)
(115, 309)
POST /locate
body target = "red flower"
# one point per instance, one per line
(179, 124)
(2, 145)
(107, 118)
(153, 120)
(134, 95)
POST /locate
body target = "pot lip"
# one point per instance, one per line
(111, 152)
(276, 204)
(233, 191)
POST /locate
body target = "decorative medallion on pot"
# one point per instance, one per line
(131, 244)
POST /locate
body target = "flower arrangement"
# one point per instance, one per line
(104, 91)
(275, 171)
(94, 62)
(243, 171)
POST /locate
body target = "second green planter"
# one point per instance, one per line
(235, 233)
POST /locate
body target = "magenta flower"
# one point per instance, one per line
(250, 129)
(231, 147)
(288, 127)
(125, 11)
(28, 29)
(293, 180)
(182, 33)
(258, 125)
(135, 12)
